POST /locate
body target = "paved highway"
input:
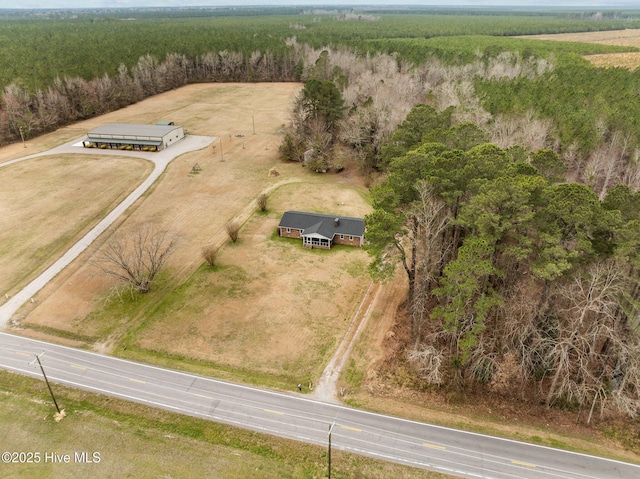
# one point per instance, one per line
(408, 442)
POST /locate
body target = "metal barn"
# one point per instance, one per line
(134, 137)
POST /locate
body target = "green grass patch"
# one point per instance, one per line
(208, 368)
(121, 308)
(553, 442)
(83, 338)
(134, 440)
(355, 268)
(353, 375)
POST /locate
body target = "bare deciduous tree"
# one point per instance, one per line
(588, 336)
(631, 176)
(210, 254)
(432, 219)
(320, 144)
(136, 259)
(233, 230)
(525, 130)
(262, 202)
(429, 362)
(609, 161)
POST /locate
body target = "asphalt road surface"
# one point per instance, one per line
(292, 416)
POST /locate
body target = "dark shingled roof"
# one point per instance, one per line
(323, 225)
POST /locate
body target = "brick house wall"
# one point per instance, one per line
(290, 232)
(347, 240)
(337, 239)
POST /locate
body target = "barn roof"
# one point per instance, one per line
(123, 130)
(323, 225)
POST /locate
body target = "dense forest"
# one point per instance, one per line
(519, 280)
(65, 67)
(505, 172)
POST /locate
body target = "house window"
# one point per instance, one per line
(350, 238)
(341, 237)
(288, 230)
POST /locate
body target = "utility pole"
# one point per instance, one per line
(46, 380)
(221, 154)
(329, 451)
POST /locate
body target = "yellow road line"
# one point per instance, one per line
(525, 464)
(21, 353)
(201, 396)
(78, 367)
(434, 446)
(351, 428)
(274, 412)
(137, 381)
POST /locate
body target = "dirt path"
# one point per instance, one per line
(326, 388)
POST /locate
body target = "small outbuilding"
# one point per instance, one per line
(322, 231)
(134, 137)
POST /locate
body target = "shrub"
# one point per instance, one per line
(210, 254)
(233, 229)
(262, 202)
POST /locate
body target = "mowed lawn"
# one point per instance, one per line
(269, 306)
(48, 203)
(270, 311)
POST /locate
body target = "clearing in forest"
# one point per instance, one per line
(630, 38)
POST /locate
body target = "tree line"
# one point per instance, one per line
(520, 248)
(53, 75)
(37, 50)
(70, 99)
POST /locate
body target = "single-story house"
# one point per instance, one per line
(134, 137)
(322, 231)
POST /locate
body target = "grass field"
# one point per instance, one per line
(45, 206)
(271, 306)
(137, 441)
(630, 38)
(271, 311)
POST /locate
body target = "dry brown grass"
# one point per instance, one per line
(629, 38)
(195, 206)
(270, 306)
(47, 204)
(630, 60)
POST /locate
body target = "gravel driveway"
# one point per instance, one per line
(160, 161)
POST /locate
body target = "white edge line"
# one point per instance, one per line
(329, 405)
